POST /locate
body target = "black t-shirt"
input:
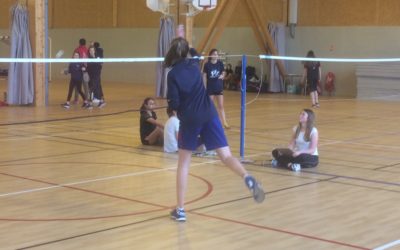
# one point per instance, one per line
(146, 127)
(312, 70)
(214, 71)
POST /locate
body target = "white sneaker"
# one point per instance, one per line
(274, 163)
(295, 167)
(210, 153)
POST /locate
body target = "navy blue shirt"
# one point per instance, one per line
(214, 71)
(75, 69)
(94, 70)
(187, 95)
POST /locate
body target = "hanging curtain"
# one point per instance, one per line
(277, 32)
(166, 35)
(20, 75)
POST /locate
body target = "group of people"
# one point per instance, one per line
(86, 74)
(153, 132)
(193, 115)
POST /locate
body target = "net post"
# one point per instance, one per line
(243, 105)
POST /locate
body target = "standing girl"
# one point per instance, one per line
(198, 117)
(76, 71)
(151, 131)
(302, 151)
(94, 70)
(312, 71)
(213, 77)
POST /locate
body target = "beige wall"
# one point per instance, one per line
(344, 42)
(332, 28)
(128, 43)
(338, 42)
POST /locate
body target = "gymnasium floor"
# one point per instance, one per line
(79, 179)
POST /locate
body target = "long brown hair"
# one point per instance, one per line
(177, 52)
(145, 102)
(211, 52)
(309, 125)
(310, 54)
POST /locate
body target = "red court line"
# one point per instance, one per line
(209, 190)
(160, 207)
(280, 231)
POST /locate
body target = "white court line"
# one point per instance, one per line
(99, 179)
(83, 182)
(134, 174)
(108, 178)
(388, 245)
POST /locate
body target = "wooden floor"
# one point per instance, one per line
(79, 179)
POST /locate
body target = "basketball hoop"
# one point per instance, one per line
(204, 5)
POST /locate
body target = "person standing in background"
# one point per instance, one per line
(83, 52)
(312, 72)
(213, 77)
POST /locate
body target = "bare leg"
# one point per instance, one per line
(316, 98)
(312, 98)
(221, 110)
(233, 163)
(184, 158)
(155, 136)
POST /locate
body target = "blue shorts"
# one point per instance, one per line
(211, 133)
(215, 92)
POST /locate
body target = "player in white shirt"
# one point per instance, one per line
(171, 129)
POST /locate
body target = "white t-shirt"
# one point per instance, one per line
(301, 144)
(171, 128)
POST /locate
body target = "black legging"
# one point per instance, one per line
(75, 83)
(284, 156)
(95, 86)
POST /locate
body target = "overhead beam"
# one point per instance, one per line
(220, 9)
(115, 13)
(262, 44)
(262, 26)
(221, 24)
(189, 24)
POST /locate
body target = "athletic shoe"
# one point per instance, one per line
(274, 163)
(295, 167)
(101, 104)
(255, 188)
(178, 214)
(66, 105)
(198, 154)
(210, 153)
(87, 105)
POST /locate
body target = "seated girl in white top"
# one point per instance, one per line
(302, 151)
(171, 130)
